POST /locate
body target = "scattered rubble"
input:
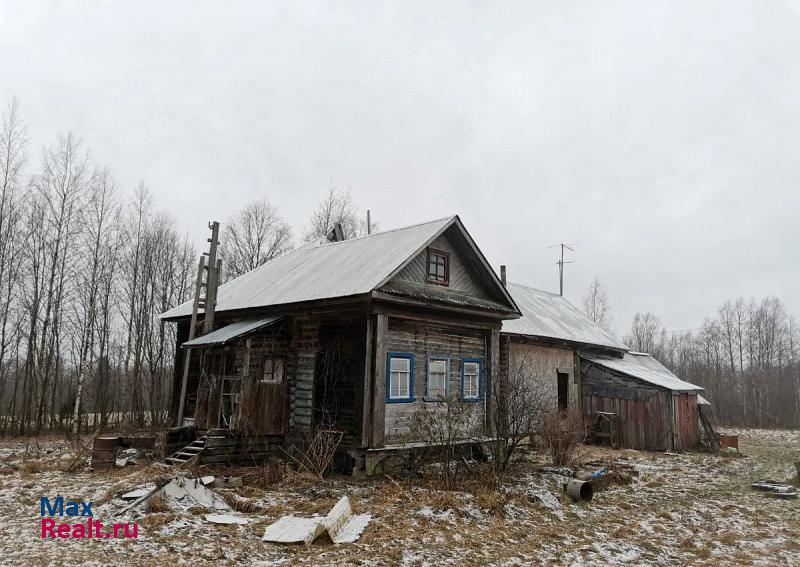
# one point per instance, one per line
(340, 524)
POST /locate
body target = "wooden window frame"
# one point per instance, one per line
(428, 396)
(276, 362)
(401, 355)
(464, 363)
(446, 256)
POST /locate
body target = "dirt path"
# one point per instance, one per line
(687, 509)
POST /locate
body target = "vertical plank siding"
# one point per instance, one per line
(649, 418)
(425, 340)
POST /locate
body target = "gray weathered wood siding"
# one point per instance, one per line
(462, 277)
(542, 364)
(423, 341)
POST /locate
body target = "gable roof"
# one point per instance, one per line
(549, 315)
(327, 270)
(646, 368)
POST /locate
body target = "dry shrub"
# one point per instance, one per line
(313, 452)
(612, 478)
(563, 432)
(157, 503)
(240, 504)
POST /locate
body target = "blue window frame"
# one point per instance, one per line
(399, 377)
(436, 385)
(471, 379)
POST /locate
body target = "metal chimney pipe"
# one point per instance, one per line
(503, 275)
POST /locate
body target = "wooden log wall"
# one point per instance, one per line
(305, 345)
(425, 340)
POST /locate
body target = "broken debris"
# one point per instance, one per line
(340, 524)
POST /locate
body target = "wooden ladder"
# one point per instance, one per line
(188, 453)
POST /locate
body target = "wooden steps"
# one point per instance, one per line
(188, 453)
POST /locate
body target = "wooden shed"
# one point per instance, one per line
(652, 408)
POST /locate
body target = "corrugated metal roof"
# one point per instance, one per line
(549, 315)
(230, 332)
(644, 367)
(324, 270)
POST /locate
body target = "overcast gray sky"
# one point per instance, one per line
(661, 137)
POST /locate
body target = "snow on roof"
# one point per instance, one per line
(546, 314)
(644, 367)
(230, 332)
(702, 401)
(325, 270)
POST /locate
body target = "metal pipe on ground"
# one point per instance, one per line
(580, 490)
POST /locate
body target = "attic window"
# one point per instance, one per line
(438, 267)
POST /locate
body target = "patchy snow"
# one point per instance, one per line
(681, 509)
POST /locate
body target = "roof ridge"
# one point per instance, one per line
(539, 290)
(415, 225)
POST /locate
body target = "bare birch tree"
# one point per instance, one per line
(595, 305)
(254, 236)
(336, 206)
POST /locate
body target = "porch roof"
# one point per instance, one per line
(227, 333)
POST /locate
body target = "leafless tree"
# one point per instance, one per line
(520, 401)
(336, 206)
(595, 305)
(254, 236)
(647, 334)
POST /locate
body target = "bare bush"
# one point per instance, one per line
(313, 452)
(563, 433)
(520, 402)
(443, 427)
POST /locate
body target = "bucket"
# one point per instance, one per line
(580, 490)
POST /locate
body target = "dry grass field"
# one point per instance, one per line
(694, 509)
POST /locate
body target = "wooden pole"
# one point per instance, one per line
(212, 280)
(192, 327)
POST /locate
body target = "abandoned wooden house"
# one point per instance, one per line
(651, 408)
(352, 335)
(630, 399)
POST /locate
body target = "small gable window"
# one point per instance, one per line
(438, 267)
(400, 383)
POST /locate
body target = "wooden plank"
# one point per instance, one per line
(492, 375)
(365, 407)
(379, 390)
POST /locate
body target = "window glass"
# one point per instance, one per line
(399, 378)
(437, 378)
(472, 381)
(438, 268)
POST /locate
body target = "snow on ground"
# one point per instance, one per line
(694, 508)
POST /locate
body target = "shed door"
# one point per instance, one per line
(563, 390)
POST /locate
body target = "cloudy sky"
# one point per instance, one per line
(661, 137)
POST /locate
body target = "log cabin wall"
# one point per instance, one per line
(425, 340)
(644, 412)
(543, 363)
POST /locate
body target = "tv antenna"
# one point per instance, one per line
(560, 263)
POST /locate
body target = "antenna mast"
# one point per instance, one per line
(560, 263)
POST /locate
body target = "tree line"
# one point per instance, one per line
(85, 271)
(745, 356)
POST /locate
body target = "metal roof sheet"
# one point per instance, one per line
(644, 367)
(546, 314)
(324, 270)
(230, 332)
